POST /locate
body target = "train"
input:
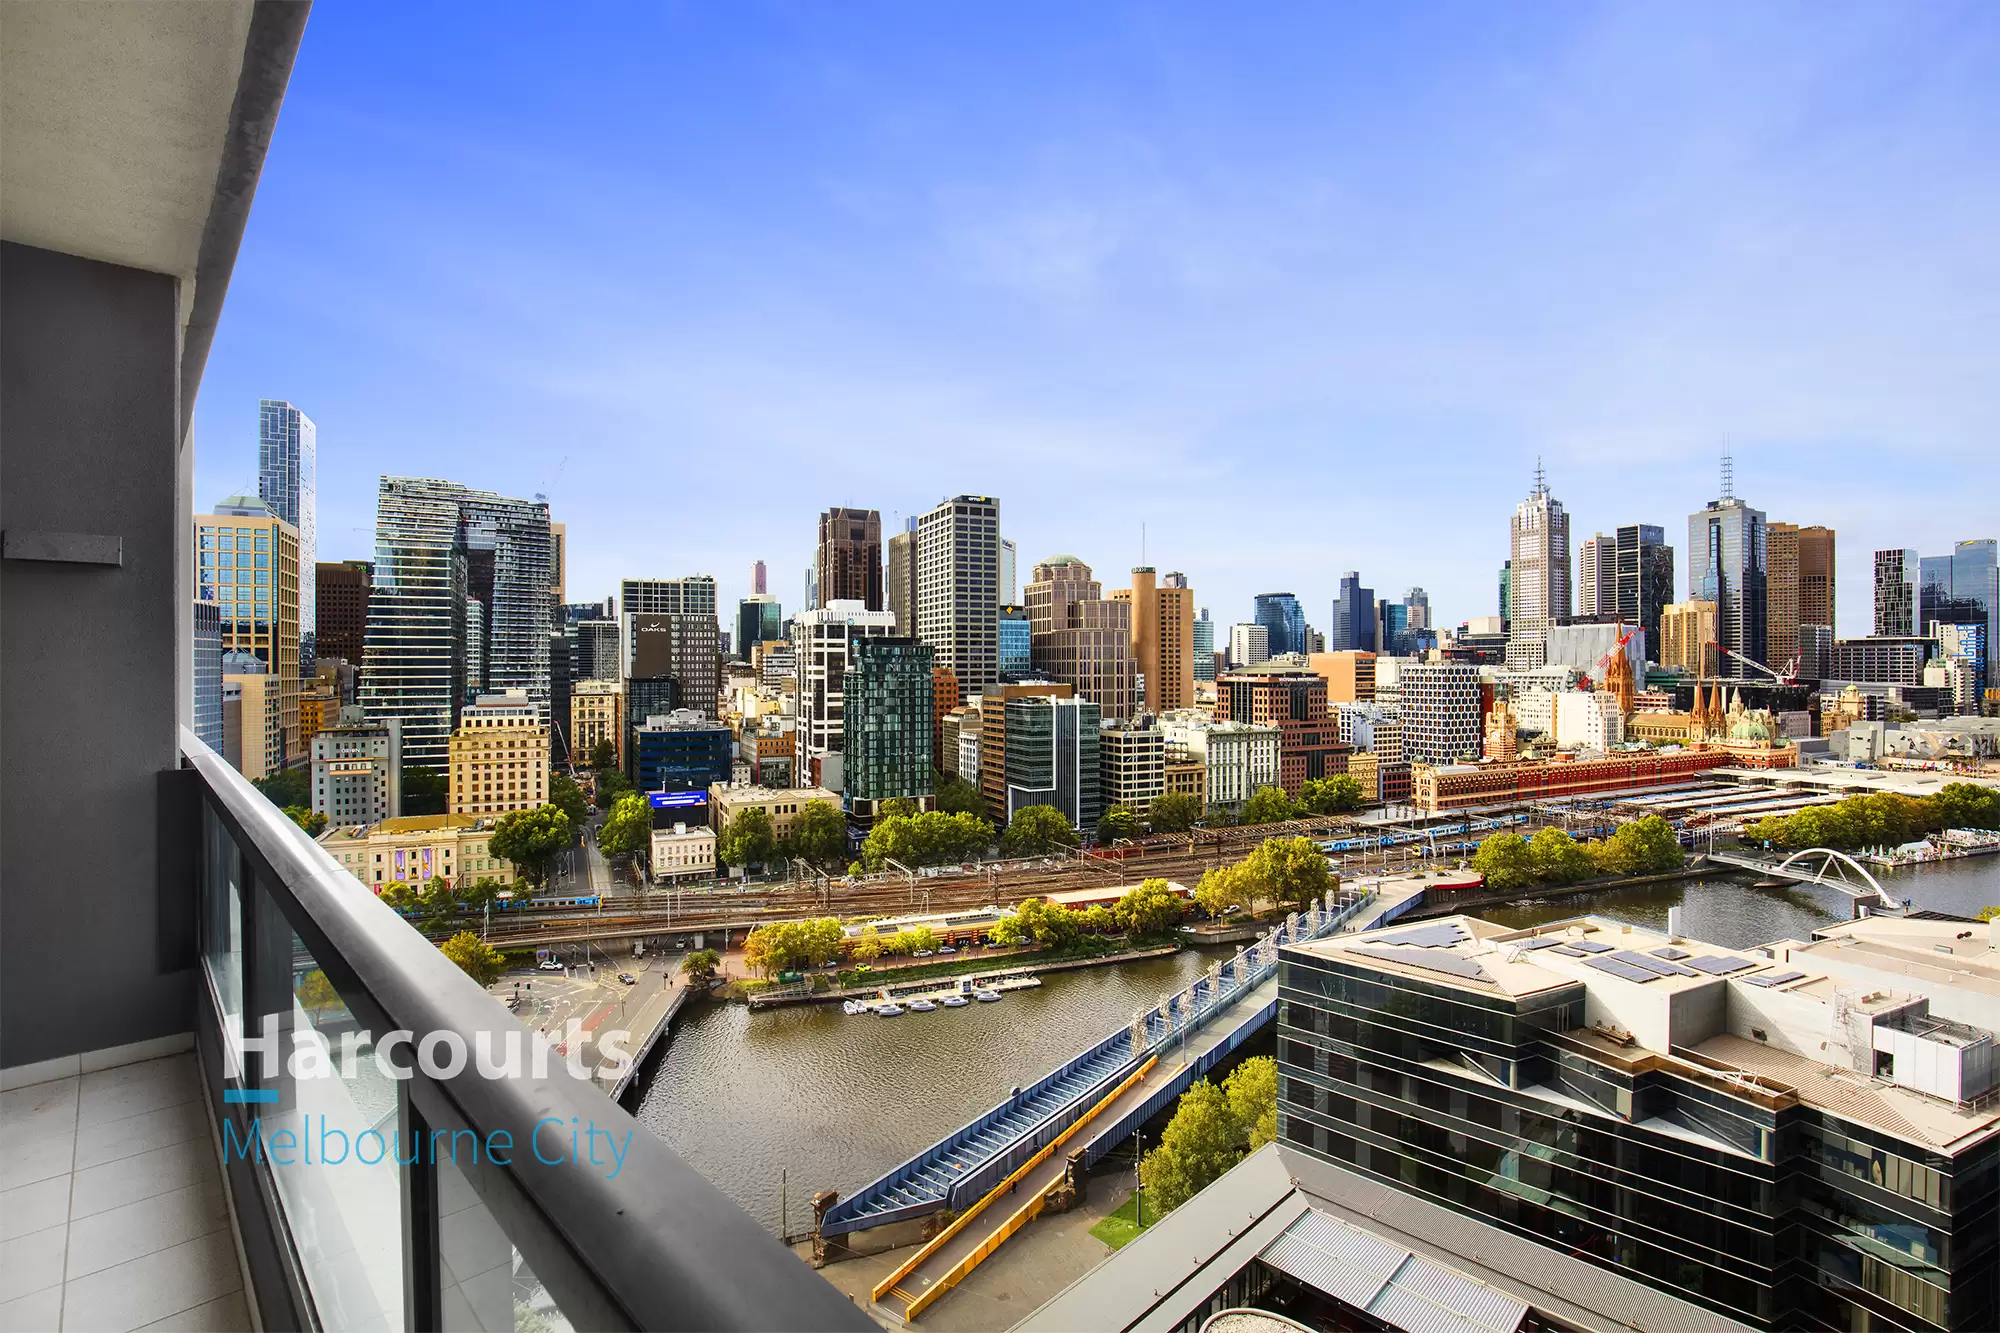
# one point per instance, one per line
(544, 903)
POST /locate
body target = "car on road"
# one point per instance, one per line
(945, 949)
(550, 965)
(628, 978)
(921, 953)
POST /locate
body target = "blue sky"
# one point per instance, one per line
(1300, 289)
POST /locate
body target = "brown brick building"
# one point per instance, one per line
(1292, 699)
(850, 557)
(341, 611)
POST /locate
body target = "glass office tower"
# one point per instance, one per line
(1975, 586)
(287, 472)
(1726, 565)
(1284, 620)
(888, 699)
(416, 648)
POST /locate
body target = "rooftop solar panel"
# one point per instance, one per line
(1775, 979)
(1670, 953)
(1719, 967)
(1449, 963)
(1657, 966)
(1625, 970)
(1590, 946)
(1546, 941)
(1572, 951)
(1439, 936)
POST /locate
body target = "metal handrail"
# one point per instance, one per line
(658, 1247)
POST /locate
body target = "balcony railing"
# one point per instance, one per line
(395, 1169)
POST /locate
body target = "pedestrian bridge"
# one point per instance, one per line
(1817, 865)
(964, 1166)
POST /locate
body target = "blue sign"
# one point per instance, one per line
(666, 800)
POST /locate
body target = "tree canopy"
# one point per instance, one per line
(474, 957)
(1047, 925)
(628, 828)
(1268, 805)
(1642, 847)
(286, 787)
(699, 967)
(1036, 831)
(927, 839)
(1222, 888)
(956, 796)
(603, 755)
(1556, 859)
(1880, 819)
(747, 839)
(819, 834)
(1150, 909)
(312, 821)
(529, 838)
(1330, 796)
(1174, 812)
(1211, 1130)
(1504, 861)
(786, 946)
(1291, 872)
(566, 796)
(1117, 822)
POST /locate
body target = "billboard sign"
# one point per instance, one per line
(674, 800)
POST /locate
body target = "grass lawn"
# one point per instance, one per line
(1119, 1227)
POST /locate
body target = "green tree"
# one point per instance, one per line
(398, 895)
(1150, 909)
(566, 796)
(425, 791)
(1291, 872)
(1221, 889)
(1641, 847)
(1330, 796)
(1202, 1141)
(611, 788)
(1269, 805)
(1174, 812)
(1050, 925)
(1252, 1090)
(1099, 919)
(529, 838)
(1556, 859)
(1117, 822)
(312, 821)
(1036, 831)
(474, 957)
(286, 787)
(479, 892)
(699, 967)
(1008, 931)
(628, 829)
(1504, 861)
(771, 948)
(747, 839)
(1220, 816)
(1988, 913)
(604, 755)
(819, 833)
(898, 807)
(864, 949)
(1966, 805)
(956, 796)
(438, 903)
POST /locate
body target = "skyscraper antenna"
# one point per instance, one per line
(1541, 478)
(1728, 477)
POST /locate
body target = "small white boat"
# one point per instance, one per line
(889, 1011)
(986, 996)
(954, 1002)
(922, 1007)
(853, 1007)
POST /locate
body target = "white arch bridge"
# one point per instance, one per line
(1822, 866)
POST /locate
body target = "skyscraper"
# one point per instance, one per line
(757, 577)
(1727, 563)
(1798, 586)
(1016, 641)
(1249, 644)
(416, 617)
(850, 557)
(1204, 646)
(1597, 576)
(1440, 711)
(1538, 574)
(1418, 615)
(1645, 572)
(958, 579)
(1284, 622)
(759, 619)
(1008, 559)
(822, 638)
(1353, 626)
(888, 727)
(343, 590)
(1975, 585)
(208, 669)
(287, 472)
(1162, 638)
(693, 595)
(900, 594)
(507, 544)
(1506, 588)
(558, 565)
(1896, 593)
(1078, 637)
(684, 646)
(248, 561)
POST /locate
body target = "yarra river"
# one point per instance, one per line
(789, 1101)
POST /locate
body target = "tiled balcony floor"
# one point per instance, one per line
(111, 1208)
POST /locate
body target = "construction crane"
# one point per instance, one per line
(1789, 676)
(1604, 662)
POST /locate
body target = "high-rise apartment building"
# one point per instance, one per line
(357, 770)
(593, 650)
(693, 596)
(342, 591)
(475, 648)
(888, 728)
(499, 756)
(1015, 640)
(1686, 631)
(1284, 622)
(1537, 588)
(1009, 564)
(1162, 639)
(415, 646)
(1896, 592)
(208, 669)
(1975, 588)
(1799, 587)
(1131, 764)
(685, 646)
(958, 587)
(900, 579)
(287, 482)
(1597, 576)
(508, 558)
(1078, 637)
(1052, 758)
(1727, 565)
(822, 640)
(1292, 699)
(1439, 708)
(1353, 624)
(1248, 644)
(247, 563)
(558, 567)
(1202, 636)
(850, 557)
(1645, 578)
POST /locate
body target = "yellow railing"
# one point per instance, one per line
(1010, 1226)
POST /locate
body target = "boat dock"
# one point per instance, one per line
(950, 996)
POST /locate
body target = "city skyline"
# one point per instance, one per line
(955, 263)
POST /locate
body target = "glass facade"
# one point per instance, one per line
(1284, 621)
(208, 670)
(1975, 592)
(687, 754)
(1052, 757)
(1767, 1209)
(888, 696)
(1726, 565)
(416, 617)
(1645, 579)
(1014, 642)
(1353, 624)
(1204, 647)
(287, 481)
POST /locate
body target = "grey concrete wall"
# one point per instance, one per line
(89, 442)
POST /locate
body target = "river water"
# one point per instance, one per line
(784, 1102)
